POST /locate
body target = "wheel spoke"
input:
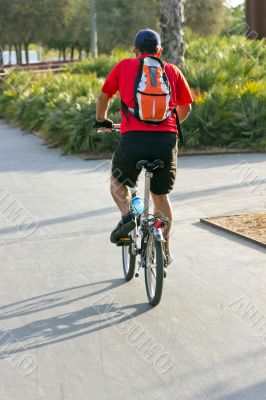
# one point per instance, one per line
(153, 273)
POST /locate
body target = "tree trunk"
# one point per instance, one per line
(64, 53)
(80, 53)
(256, 17)
(9, 54)
(72, 53)
(17, 54)
(20, 53)
(171, 23)
(1, 56)
(94, 44)
(26, 48)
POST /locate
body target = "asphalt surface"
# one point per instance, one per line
(71, 328)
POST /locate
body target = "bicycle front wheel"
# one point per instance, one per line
(154, 271)
(129, 261)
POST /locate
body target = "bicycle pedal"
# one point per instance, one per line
(124, 241)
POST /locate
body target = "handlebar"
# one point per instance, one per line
(116, 128)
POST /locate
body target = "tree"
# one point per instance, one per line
(94, 41)
(206, 17)
(74, 33)
(171, 20)
(235, 24)
(32, 21)
(79, 28)
(65, 24)
(119, 20)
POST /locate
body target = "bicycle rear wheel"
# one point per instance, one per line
(129, 261)
(154, 271)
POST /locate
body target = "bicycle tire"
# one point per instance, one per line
(154, 248)
(129, 262)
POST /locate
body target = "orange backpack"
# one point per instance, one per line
(152, 94)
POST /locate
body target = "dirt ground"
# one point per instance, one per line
(251, 225)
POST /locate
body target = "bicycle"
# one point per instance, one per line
(151, 230)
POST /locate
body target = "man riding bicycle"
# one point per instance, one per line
(143, 140)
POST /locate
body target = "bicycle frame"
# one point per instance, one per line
(150, 229)
(147, 224)
(148, 176)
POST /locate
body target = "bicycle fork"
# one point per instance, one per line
(155, 225)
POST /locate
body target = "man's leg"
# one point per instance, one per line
(121, 195)
(162, 207)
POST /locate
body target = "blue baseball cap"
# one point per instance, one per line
(147, 37)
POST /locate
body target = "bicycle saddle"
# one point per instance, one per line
(150, 165)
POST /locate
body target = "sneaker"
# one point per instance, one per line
(122, 229)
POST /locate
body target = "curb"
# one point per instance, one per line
(181, 153)
(102, 156)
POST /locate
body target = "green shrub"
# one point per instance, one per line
(228, 75)
(213, 60)
(62, 107)
(230, 116)
(101, 66)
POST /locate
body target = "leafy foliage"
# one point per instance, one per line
(65, 24)
(206, 17)
(228, 76)
(101, 66)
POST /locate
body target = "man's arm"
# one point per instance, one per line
(183, 111)
(109, 89)
(102, 107)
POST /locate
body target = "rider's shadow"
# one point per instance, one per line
(103, 313)
(57, 298)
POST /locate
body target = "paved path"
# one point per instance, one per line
(71, 328)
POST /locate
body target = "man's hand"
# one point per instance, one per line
(105, 123)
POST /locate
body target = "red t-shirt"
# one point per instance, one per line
(122, 79)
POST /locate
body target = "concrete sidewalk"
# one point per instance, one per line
(71, 328)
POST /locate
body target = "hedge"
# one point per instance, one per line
(227, 75)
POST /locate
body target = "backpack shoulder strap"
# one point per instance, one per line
(136, 84)
(180, 132)
(159, 61)
(124, 108)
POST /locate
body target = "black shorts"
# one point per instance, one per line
(135, 146)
